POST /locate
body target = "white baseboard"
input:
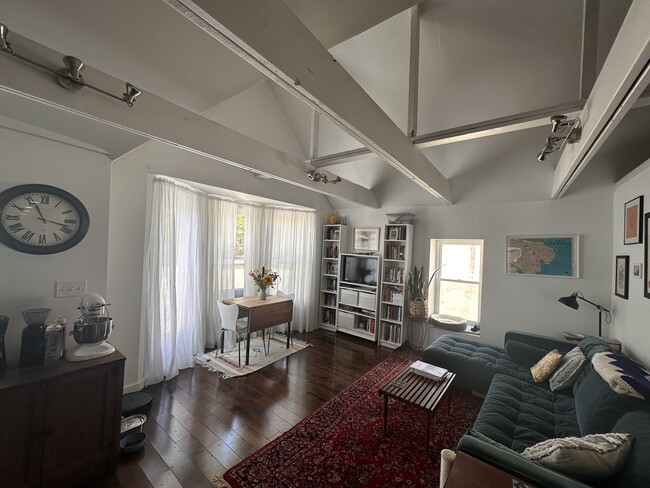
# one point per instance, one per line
(134, 387)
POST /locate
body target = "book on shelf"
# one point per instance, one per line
(428, 370)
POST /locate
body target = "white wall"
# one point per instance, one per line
(519, 302)
(30, 155)
(631, 317)
(130, 181)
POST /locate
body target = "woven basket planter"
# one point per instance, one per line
(418, 309)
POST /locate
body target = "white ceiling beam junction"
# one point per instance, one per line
(268, 35)
(158, 119)
(624, 76)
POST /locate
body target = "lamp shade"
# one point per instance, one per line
(570, 301)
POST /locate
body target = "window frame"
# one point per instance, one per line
(435, 257)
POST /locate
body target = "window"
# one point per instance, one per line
(456, 289)
(240, 272)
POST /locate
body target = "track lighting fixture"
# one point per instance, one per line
(69, 77)
(560, 125)
(314, 175)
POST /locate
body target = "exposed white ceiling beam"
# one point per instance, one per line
(270, 37)
(314, 136)
(501, 125)
(588, 65)
(624, 76)
(414, 72)
(158, 119)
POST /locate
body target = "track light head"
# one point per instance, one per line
(311, 174)
(557, 122)
(4, 45)
(541, 156)
(130, 95)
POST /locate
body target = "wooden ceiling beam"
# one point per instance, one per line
(160, 120)
(622, 80)
(268, 35)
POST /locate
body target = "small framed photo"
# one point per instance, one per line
(366, 239)
(633, 227)
(393, 233)
(622, 285)
(637, 270)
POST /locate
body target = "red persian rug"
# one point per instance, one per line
(342, 443)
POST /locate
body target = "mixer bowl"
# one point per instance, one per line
(92, 331)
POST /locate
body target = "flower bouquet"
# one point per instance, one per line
(263, 278)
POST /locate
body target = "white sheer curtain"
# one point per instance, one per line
(222, 225)
(289, 239)
(174, 280)
(254, 240)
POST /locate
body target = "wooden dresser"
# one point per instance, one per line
(60, 424)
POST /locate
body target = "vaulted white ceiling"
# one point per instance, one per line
(477, 61)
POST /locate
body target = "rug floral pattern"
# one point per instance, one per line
(342, 442)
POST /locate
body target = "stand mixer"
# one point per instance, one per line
(91, 330)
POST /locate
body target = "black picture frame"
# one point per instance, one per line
(622, 277)
(646, 260)
(633, 221)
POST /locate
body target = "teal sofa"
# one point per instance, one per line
(518, 413)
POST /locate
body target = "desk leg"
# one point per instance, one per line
(248, 346)
(385, 412)
(288, 334)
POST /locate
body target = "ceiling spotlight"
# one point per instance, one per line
(314, 175)
(69, 77)
(559, 125)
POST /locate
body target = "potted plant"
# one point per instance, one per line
(417, 286)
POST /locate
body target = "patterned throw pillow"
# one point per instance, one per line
(569, 370)
(545, 366)
(624, 375)
(591, 457)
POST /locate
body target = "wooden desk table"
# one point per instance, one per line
(263, 314)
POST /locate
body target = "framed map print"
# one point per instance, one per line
(555, 255)
(633, 221)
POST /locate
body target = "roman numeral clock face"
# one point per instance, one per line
(41, 219)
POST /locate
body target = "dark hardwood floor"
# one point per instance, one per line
(201, 425)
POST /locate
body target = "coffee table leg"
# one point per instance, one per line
(385, 412)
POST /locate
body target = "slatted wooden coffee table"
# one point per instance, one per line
(416, 390)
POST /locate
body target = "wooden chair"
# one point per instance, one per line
(229, 322)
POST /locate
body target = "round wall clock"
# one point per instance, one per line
(41, 219)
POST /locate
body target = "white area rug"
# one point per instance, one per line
(226, 364)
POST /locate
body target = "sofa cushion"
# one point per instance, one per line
(519, 414)
(569, 370)
(473, 362)
(545, 367)
(623, 374)
(592, 457)
(598, 407)
(636, 472)
(523, 353)
(592, 345)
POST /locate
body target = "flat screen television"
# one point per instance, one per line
(360, 269)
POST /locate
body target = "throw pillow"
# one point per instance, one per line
(591, 345)
(545, 366)
(524, 354)
(569, 370)
(591, 457)
(624, 375)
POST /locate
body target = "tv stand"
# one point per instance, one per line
(358, 304)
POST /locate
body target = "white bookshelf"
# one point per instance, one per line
(335, 241)
(397, 256)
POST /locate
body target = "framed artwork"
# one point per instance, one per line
(637, 270)
(646, 260)
(633, 227)
(366, 239)
(555, 256)
(622, 274)
(393, 233)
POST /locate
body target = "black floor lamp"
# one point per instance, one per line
(572, 301)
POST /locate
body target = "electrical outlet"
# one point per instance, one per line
(70, 289)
